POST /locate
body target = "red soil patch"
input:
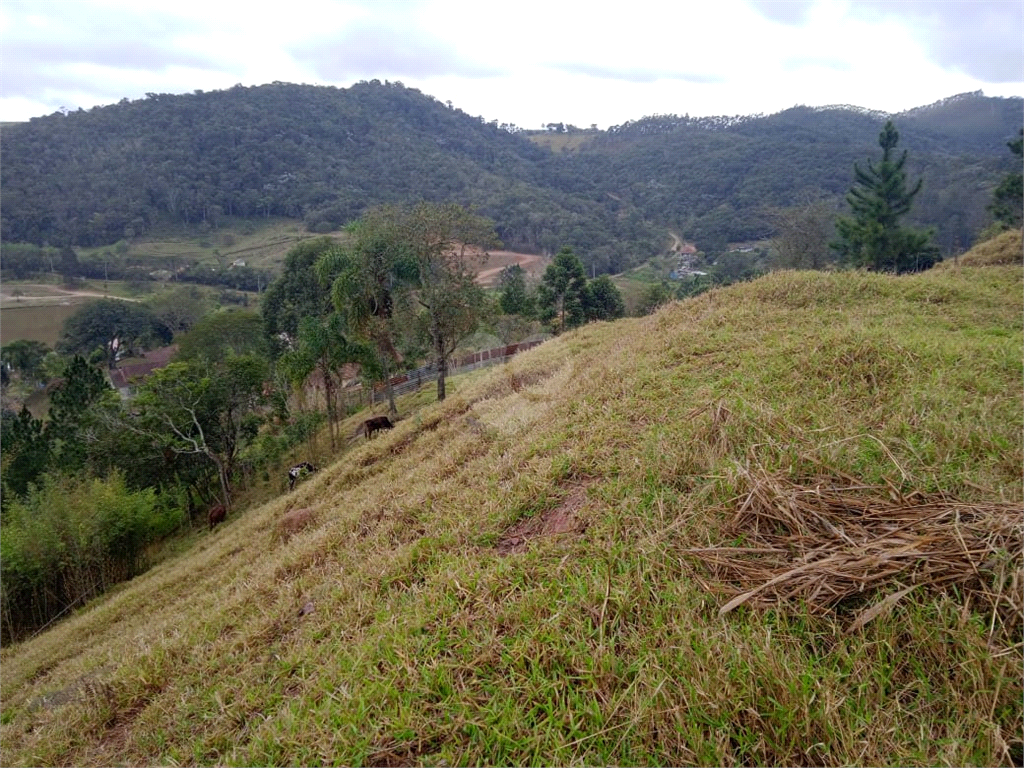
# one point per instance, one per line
(561, 519)
(490, 271)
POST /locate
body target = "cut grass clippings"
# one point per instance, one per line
(827, 542)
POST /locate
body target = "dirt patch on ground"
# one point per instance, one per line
(562, 519)
(490, 271)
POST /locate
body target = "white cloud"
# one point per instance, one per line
(530, 62)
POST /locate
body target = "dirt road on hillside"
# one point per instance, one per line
(42, 294)
(531, 263)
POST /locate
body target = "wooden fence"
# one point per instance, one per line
(411, 381)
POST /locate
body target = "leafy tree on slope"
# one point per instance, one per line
(112, 325)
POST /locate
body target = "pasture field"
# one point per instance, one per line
(260, 244)
(36, 322)
(560, 142)
(776, 524)
(37, 311)
(264, 245)
(634, 283)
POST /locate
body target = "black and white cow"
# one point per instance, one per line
(299, 470)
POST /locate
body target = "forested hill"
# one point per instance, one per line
(285, 150)
(324, 155)
(716, 178)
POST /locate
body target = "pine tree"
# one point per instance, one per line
(515, 297)
(71, 414)
(873, 237)
(602, 300)
(561, 293)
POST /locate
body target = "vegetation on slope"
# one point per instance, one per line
(717, 180)
(320, 154)
(325, 155)
(509, 577)
(1006, 248)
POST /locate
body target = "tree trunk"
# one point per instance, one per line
(386, 365)
(442, 368)
(225, 485)
(332, 416)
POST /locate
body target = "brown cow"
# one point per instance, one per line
(293, 522)
(217, 515)
(376, 424)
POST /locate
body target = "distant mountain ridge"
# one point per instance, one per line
(324, 154)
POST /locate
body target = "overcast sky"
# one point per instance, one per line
(527, 62)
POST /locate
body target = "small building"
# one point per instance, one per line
(130, 374)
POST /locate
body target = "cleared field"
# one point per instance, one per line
(561, 142)
(259, 244)
(37, 311)
(36, 322)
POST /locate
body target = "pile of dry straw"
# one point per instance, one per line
(831, 543)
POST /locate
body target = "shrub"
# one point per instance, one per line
(70, 539)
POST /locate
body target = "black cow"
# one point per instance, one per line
(376, 424)
(298, 471)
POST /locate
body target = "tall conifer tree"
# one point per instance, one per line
(873, 237)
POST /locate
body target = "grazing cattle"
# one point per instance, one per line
(293, 522)
(299, 470)
(376, 424)
(217, 515)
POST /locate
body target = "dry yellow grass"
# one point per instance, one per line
(1005, 248)
(399, 629)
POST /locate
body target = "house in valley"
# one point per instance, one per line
(130, 373)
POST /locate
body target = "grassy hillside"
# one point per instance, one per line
(537, 570)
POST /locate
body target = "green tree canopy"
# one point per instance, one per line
(428, 252)
(68, 264)
(323, 346)
(26, 357)
(71, 538)
(1008, 198)
(873, 237)
(514, 296)
(71, 416)
(369, 279)
(112, 326)
(562, 292)
(603, 300)
(445, 241)
(180, 308)
(26, 451)
(654, 296)
(295, 294)
(201, 410)
(221, 335)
